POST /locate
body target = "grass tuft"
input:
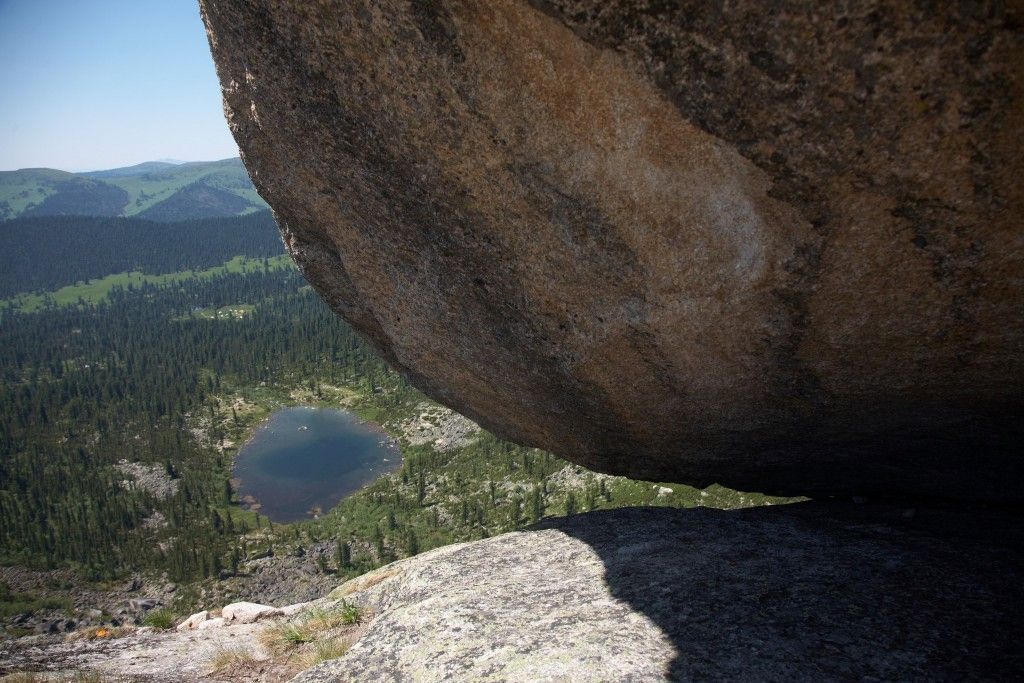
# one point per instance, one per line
(230, 658)
(161, 619)
(281, 638)
(324, 619)
(325, 650)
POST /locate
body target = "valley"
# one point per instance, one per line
(390, 360)
(117, 479)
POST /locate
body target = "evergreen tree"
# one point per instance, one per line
(412, 544)
(570, 504)
(536, 505)
(343, 555)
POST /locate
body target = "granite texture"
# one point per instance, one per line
(773, 245)
(815, 591)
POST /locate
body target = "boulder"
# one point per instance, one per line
(216, 622)
(194, 621)
(142, 604)
(247, 612)
(292, 610)
(814, 591)
(753, 244)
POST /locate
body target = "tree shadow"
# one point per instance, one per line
(820, 590)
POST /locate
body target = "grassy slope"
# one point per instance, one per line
(95, 291)
(148, 189)
(21, 189)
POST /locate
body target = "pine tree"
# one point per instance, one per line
(517, 511)
(536, 505)
(343, 555)
(215, 565)
(412, 544)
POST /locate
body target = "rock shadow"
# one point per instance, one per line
(820, 590)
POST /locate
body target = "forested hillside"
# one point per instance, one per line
(122, 407)
(83, 389)
(44, 253)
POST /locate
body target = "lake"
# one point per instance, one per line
(305, 459)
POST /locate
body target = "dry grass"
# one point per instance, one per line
(319, 634)
(324, 650)
(313, 625)
(324, 619)
(231, 657)
(281, 638)
(66, 677)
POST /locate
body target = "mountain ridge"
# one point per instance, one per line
(155, 190)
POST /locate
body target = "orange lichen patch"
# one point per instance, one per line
(99, 633)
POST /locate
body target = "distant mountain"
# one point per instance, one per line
(156, 190)
(137, 169)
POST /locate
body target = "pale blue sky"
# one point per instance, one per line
(91, 84)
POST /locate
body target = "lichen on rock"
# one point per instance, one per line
(809, 591)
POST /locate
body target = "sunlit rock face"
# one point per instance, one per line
(776, 246)
(826, 590)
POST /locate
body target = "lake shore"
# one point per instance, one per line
(302, 460)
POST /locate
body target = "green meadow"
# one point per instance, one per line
(96, 291)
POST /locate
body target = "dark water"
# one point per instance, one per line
(301, 459)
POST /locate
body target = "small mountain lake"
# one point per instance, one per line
(306, 459)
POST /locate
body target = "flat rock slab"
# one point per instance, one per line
(815, 591)
(150, 656)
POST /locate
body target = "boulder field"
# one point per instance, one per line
(776, 246)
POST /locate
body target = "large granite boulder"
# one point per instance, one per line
(774, 245)
(808, 592)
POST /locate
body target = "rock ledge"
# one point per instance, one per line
(802, 592)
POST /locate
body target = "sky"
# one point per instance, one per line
(96, 84)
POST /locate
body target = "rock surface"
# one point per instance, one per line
(812, 591)
(802, 592)
(775, 246)
(141, 656)
(247, 612)
(194, 621)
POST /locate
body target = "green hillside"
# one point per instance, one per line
(156, 190)
(28, 187)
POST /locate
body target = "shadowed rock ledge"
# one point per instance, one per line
(776, 247)
(815, 591)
